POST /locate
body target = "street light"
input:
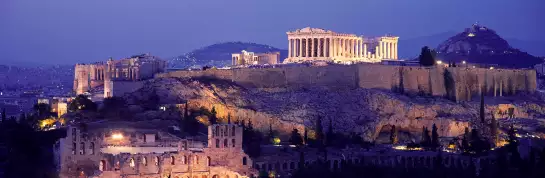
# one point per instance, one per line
(117, 136)
(439, 62)
(463, 62)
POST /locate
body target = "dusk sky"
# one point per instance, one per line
(72, 31)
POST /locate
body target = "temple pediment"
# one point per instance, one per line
(311, 30)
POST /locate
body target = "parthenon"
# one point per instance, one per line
(314, 44)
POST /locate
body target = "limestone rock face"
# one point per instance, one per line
(364, 111)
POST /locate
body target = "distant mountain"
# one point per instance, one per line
(410, 48)
(479, 44)
(219, 55)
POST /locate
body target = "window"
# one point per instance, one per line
(226, 131)
(216, 131)
(74, 148)
(144, 161)
(285, 166)
(74, 134)
(132, 163)
(157, 160)
(233, 131)
(292, 165)
(256, 166)
(233, 142)
(277, 166)
(217, 143)
(184, 159)
(225, 143)
(208, 161)
(172, 161)
(244, 161)
(81, 148)
(92, 148)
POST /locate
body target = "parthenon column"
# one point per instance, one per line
(319, 44)
(351, 48)
(300, 47)
(391, 50)
(289, 48)
(388, 49)
(329, 48)
(395, 50)
(383, 49)
(307, 47)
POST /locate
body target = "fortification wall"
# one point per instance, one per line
(455, 83)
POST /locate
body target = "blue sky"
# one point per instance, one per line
(72, 31)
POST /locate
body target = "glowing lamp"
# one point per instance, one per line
(117, 136)
(463, 62)
(439, 62)
(491, 67)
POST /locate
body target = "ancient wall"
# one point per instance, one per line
(455, 83)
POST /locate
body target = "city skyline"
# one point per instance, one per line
(42, 33)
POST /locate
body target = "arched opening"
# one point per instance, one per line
(92, 148)
(184, 159)
(157, 160)
(277, 166)
(244, 161)
(144, 161)
(256, 166)
(74, 148)
(335, 165)
(215, 176)
(292, 165)
(172, 160)
(226, 131)
(102, 165)
(132, 163)
(82, 148)
(204, 176)
(233, 142)
(196, 159)
(208, 161)
(225, 145)
(216, 131)
(284, 166)
(233, 131)
(217, 143)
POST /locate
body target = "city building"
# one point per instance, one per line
(251, 58)
(89, 77)
(314, 44)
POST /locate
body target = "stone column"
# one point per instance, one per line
(289, 47)
(395, 49)
(365, 50)
(307, 48)
(300, 47)
(388, 50)
(319, 46)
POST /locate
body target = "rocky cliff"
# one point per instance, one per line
(365, 111)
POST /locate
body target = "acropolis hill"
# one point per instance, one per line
(360, 98)
(456, 83)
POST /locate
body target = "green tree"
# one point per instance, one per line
(42, 110)
(434, 137)
(319, 132)
(427, 57)
(295, 138)
(494, 131)
(82, 103)
(465, 141)
(114, 107)
(426, 139)
(3, 115)
(213, 116)
(393, 135)
(330, 136)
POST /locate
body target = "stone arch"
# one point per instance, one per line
(102, 165)
(215, 176)
(132, 164)
(172, 160)
(208, 161)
